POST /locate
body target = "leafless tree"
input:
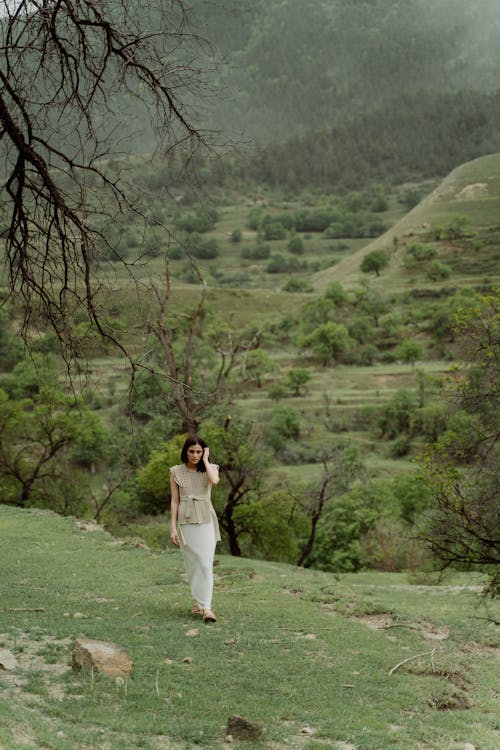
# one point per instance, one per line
(197, 383)
(71, 72)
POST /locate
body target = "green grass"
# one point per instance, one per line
(292, 648)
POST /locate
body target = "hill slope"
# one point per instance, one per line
(472, 190)
(305, 654)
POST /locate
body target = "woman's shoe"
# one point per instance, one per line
(209, 616)
(197, 610)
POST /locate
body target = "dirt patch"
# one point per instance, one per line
(449, 701)
(375, 622)
(481, 649)
(41, 657)
(474, 190)
(385, 622)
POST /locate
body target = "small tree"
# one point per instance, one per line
(328, 342)
(296, 379)
(296, 245)
(36, 436)
(284, 425)
(340, 468)
(375, 262)
(409, 352)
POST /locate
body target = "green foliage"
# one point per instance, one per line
(258, 364)
(457, 228)
(10, 346)
(155, 475)
(370, 525)
(259, 251)
(296, 379)
(284, 425)
(202, 249)
(271, 527)
(464, 529)
(328, 342)
(418, 252)
(441, 318)
(202, 220)
(396, 416)
(438, 271)
(411, 197)
(430, 421)
(297, 285)
(29, 376)
(375, 262)
(410, 351)
(296, 245)
(273, 230)
(336, 294)
(280, 264)
(38, 437)
(236, 236)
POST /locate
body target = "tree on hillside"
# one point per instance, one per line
(296, 379)
(375, 262)
(461, 467)
(340, 468)
(328, 342)
(410, 351)
(71, 74)
(37, 436)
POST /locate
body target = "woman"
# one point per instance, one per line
(198, 529)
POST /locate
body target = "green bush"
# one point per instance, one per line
(284, 425)
(297, 285)
(260, 251)
(296, 245)
(438, 271)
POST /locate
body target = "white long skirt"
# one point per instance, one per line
(197, 542)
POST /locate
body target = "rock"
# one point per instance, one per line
(99, 656)
(7, 660)
(243, 729)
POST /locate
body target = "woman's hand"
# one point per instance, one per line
(206, 453)
(174, 536)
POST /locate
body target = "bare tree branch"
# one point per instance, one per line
(68, 69)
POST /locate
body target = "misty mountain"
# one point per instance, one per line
(291, 66)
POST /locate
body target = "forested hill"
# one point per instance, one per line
(296, 65)
(341, 91)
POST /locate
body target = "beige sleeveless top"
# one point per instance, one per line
(195, 504)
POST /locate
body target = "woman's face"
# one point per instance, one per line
(194, 454)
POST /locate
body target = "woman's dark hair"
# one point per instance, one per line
(193, 440)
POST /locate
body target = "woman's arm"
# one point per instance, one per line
(212, 470)
(174, 510)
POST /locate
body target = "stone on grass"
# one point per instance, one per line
(100, 656)
(7, 660)
(243, 729)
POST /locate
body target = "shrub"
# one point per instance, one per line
(259, 251)
(206, 250)
(297, 285)
(274, 231)
(284, 425)
(296, 245)
(280, 264)
(438, 271)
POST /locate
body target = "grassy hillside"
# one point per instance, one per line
(471, 190)
(305, 654)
